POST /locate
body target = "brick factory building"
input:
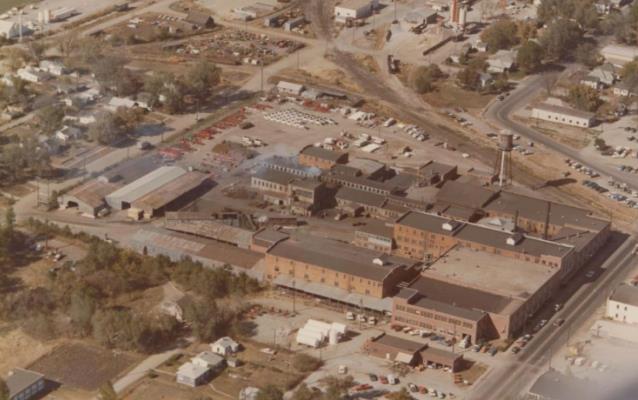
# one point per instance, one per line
(318, 157)
(334, 269)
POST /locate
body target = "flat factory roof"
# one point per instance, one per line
(144, 185)
(170, 191)
(400, 344)
(490, 272)
(338, 256)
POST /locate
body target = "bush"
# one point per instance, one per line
(305, 363)
(423, 78)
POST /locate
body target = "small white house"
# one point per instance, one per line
(592, 82)
(502, 61)
(30, 74)
(192, 375)
(622, 304)
(623, 89)
(10, 29)
(355, 9)
(563, 115)
(68, 133)
(619, 55)
(52, 67)
(225, 346)
(294, 89)
(606, 74)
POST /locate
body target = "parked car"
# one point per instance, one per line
(559, 322)
(373, 377)
(515, 349)
(493, 351)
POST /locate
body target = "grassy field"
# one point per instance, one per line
(6, 5)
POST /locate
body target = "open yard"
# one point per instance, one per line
(164, 387)
(83, 366)
(447, 94)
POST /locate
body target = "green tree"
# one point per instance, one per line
(303, 392)
(270, 392)
(587, 54)
(500, 35)
(50, 118)
(36, 49)
(107, 392)
(402, 394)
(207, 320)
(468, 78)
(560, 39)
(584, 98)
(529, 57)
(107, 128)
(337, 388)
(423, 77)
(201, 79)
(629, 74)
(305, 363)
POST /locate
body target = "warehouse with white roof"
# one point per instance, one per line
(155, 181)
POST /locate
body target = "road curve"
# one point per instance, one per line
(500, 112)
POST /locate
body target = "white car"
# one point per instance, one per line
(589, 274)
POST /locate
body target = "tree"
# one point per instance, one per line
(629, 74)
(468, 78)
(107, 392)
(201, 78)
(4, 390)
(402, 394)
(529, 57)
(82, 308)
(270, 392)
(107, 128)
(584, 98)
(500, 35)
(337, 388)
(36, 49)
(587, 54)
(207, 320)
(303, 392)
(305, 363)
(50, 118)
(423, 77)
(560, 39)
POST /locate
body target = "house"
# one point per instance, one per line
(355, 9)
(420, 16)
(209, 360)
(592, 82)
(619, 55)
(68, 133)
(622, 304)
(294, 89)
(192, 375)
(624, 89)
(249, 393)
(606, 74)
(10, 29)
(481, 47)
(225, 346)
(294, 23)
(52, 67)
(30, 74)
(502, 61)
(563, 115)
(200, 20)
(24, 384)
(117, 102)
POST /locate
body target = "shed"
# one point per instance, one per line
(225, 346)
(200, 19)
(290, 88)
(210, 360)
(191, 374)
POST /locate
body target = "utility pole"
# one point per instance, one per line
(262, 74)
(298, 51)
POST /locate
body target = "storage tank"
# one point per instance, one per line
(506, 142)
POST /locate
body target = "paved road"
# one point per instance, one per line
(500, 113)
(514, 377)
(142, 369)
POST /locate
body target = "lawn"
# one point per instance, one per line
(6, 5)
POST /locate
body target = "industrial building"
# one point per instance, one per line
(318, 157)
(563, 115)
(375, 235)
(336, 270)
(88, 198)
(622, 304)
(396, 349)
(355, 9)
(122, 198)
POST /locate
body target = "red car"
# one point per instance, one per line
(383, 380)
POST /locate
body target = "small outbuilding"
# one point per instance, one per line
(192, 374)
(24, 384)
(225, 346)
(200, 20)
